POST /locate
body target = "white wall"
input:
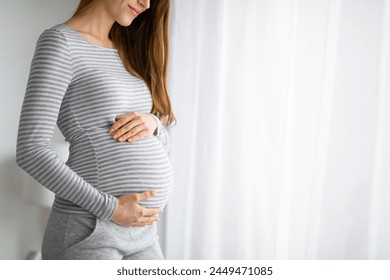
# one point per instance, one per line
(21, 220)
(282, 145)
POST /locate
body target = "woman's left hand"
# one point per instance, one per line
(132, 127)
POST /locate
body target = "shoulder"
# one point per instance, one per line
(52, 49)
(53, 38)
(55, 33)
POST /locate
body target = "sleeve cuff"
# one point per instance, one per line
(159, 125)
(111, 207)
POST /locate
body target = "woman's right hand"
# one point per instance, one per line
(130, 213)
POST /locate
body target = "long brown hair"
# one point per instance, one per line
(143, 48)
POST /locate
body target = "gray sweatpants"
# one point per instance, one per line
(77, 237)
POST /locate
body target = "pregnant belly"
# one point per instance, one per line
(136, 167)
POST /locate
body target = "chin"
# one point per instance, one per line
(125, 23)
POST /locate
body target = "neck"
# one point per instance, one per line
(95, 21)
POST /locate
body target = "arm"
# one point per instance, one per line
(162, 133)
(50, 75)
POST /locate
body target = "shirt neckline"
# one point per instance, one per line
(89, 42)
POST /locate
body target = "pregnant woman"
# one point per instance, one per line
(101, 77)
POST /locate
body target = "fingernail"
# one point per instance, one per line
(121, 139)
(110, 130)
(115, 136)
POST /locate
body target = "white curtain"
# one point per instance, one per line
(281, 149)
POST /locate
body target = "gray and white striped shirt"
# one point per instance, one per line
(82, 87)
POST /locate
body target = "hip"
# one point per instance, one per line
(70, 236)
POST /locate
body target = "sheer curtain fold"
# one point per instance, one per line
(280, 149)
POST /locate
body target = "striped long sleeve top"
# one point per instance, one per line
(81, 87)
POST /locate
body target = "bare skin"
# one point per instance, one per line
(94, 25)
(132, 127)
(132, 214)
